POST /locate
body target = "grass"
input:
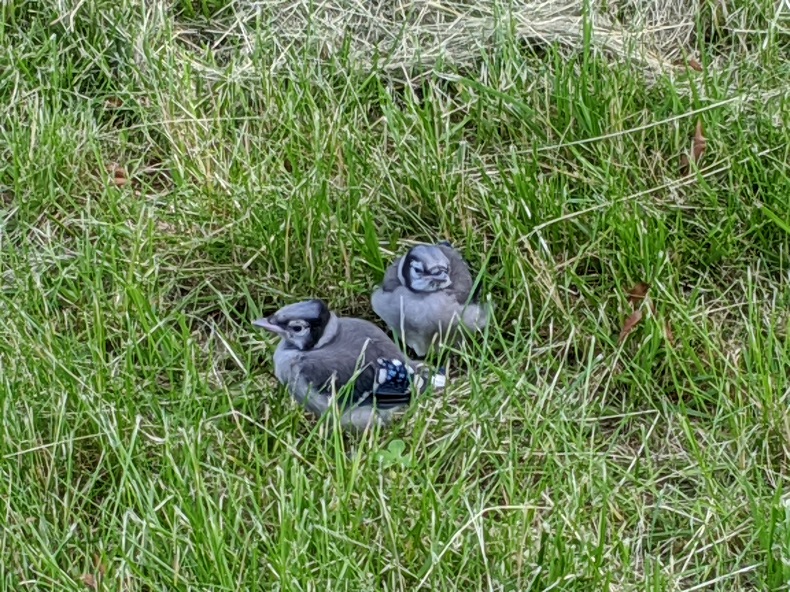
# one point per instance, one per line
(170, 172)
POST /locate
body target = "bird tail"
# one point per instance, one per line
(424, 377)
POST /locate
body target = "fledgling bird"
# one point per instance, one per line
(426, 297)
(320, 353)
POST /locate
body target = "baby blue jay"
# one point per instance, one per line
(427, 296)
(320, 353)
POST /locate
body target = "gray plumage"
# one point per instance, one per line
(320, 353)
(426, 297)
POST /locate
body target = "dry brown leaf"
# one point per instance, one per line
(668, 332)
(698, 146)
(118, 174)
(638, 293)
(635, 297)
(99, 564)
(690, 63)
(90, 581)
(630, 324)
(113, 103)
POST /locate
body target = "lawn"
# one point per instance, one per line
(618, 172)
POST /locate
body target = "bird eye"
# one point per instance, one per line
(297, 327)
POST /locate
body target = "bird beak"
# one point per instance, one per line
(441, 281)
(267, 324)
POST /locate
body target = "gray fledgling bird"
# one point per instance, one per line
(427, 296)
(320, 353)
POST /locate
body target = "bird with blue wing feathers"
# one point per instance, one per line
(428, 296)
(320, 354)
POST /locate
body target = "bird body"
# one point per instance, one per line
(321, 353)
(426, 297)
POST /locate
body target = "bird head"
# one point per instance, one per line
(301, 324)
(425, 268)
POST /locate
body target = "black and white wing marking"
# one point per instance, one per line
(395, 380)
(392, 385)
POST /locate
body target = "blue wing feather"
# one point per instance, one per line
(392, 384)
